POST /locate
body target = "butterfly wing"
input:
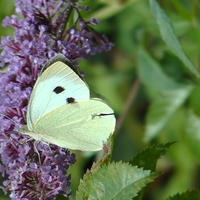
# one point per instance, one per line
(82, 125)
(58, 85)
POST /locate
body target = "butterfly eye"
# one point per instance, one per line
(58, 89)
(70, 100)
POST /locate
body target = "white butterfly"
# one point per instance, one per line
(61, 112)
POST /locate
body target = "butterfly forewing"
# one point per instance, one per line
(57, 86)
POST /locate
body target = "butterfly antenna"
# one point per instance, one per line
(1, 114)
(10, 119)
(49, 148)
(36, 150)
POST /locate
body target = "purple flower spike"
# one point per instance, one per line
(37, 170)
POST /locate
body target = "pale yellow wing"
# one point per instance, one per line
(82, 125)
(58, 85)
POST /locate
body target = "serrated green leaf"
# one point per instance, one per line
(147, 158)
(167, 33)
(163, 108)
(107, 153)
(192, 133)
(189, 195)
(151, 74)
(114, 181)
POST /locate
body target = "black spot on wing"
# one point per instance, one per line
(58, 89)
(70, 100)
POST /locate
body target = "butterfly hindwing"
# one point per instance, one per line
(82, 125)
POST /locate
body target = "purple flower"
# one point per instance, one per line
(38, 170)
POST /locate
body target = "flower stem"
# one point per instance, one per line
(128, 103)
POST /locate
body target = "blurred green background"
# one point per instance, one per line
(155, 95)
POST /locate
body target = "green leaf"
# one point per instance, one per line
(148, 158)
(192, 135)
(60, 197)
(112, 8)
(167, 33)
(151, 74)
(189, 195)
(113, 181)
(163, 108)
(107, 153)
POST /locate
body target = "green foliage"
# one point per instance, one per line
(163, 108)
(170, 96)
(167, 33)
(151, 80)
(121, 180)
(192, 133)
(113, 181)
(193, 194)
(148, 69)
(148, 158)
